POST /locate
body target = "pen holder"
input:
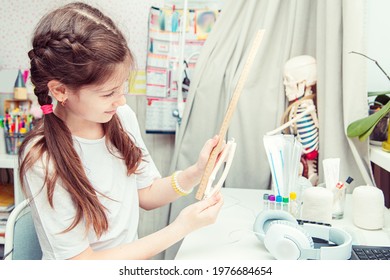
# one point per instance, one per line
(13, 142)
(2, 141)
(339, 197)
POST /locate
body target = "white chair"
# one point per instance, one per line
(21, 241)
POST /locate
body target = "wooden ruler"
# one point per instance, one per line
(229, 113)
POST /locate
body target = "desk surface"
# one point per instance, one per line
(231, 236)
(8, 161)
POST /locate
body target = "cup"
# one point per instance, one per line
(368, 204)
(2, 140)
(339, 195)
(13, 142)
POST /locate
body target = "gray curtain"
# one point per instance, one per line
(327, 30)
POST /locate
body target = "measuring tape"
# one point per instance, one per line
(226, 121)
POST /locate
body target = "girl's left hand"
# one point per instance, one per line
(206, 152)
(199, 214)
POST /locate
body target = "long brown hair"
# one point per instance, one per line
(78, 46)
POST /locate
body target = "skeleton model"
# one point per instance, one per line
(300, 118)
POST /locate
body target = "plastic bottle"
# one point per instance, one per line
(265, 202)
(279, 200)
(271, 200)
(285, 204)
(294, 207)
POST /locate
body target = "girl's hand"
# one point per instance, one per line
(193, 174)
(200, 214)
(206, 152)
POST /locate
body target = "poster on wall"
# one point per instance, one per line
(137, 83)
(159, 117)
(162, 66)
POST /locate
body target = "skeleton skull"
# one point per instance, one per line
(300, 73)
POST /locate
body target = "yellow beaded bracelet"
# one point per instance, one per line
(176, 186)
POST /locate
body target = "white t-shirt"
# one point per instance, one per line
(108, 175)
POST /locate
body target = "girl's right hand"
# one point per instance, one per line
(200, 214)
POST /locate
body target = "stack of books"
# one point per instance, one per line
(7, 204)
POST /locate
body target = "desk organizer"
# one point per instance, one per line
(13, 142)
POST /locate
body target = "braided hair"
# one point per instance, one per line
(76, 45)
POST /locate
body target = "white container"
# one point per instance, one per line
(368, 204)
(317, 204)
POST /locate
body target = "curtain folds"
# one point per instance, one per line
(327, 30)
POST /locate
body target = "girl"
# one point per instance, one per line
(85, 166)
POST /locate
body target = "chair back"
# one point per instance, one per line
(21, 240)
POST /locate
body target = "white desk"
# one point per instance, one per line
(230, 237)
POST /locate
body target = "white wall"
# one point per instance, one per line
(378, 45)
(19, 17)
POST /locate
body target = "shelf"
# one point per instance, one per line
(380, 157)
(380, 163)
(11, 104)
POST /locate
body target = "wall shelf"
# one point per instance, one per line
(380, 163)
(11, 104)
(380, 157)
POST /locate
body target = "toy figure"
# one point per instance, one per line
(300, 77)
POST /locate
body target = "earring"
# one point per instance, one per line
(63, 102)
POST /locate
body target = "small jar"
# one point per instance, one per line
(368, 204)
(317, 204)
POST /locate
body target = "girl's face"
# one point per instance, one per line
(97, 104)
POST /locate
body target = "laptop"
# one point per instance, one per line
(363, 252)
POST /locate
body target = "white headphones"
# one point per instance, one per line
(285, 239)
